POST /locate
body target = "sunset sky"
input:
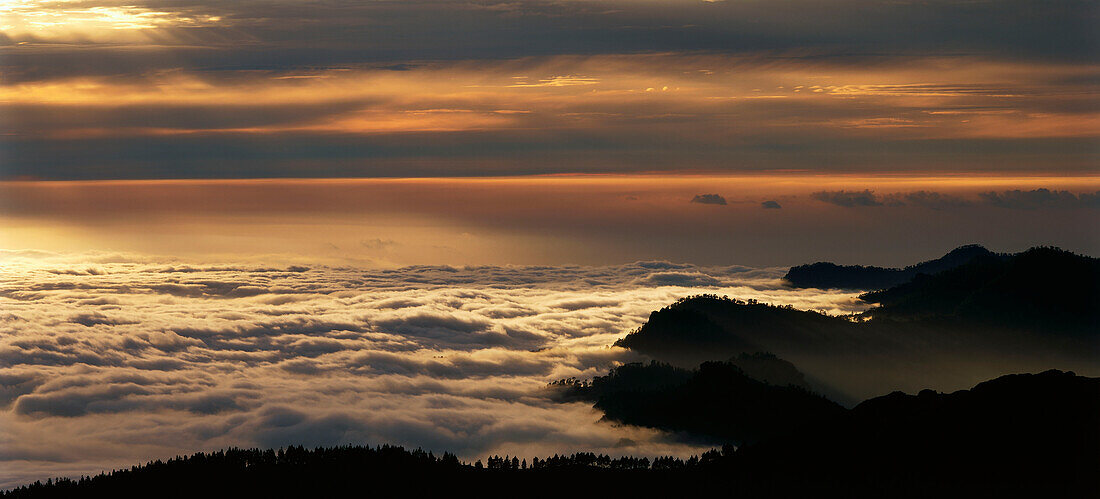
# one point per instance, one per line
(192, 89)
(662, 100)
(210, 208)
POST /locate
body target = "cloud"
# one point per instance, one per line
(301, 366)
(359, 121)
(661, 265)
(458, 366)
(212, 288)
(378, 244)
(158, 364)
(583, 304)
(505, 29)
(927, 199)
(95, 318)
(451, 358)
(678, 279)
(770, 205)
(15, 383)
(1040, 198)
(122, 398)
(848, 199)
(87, 271)
(187, 269)
(76, 403)
(1034, 199)
(708, 199)
(432, 324)
(249, 91)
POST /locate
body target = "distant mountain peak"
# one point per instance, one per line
(827, 275)
(1005, 292)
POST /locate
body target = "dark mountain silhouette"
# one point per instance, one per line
(1024, 435)
(708, 328)
(767, 367)
(721, 327)
(946, 330)
(389, 471)
(294, 471)
(827, 275)
(718, 401)
(626, 378)
(1041, 288)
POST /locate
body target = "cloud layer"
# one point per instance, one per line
(709, 199)
(108, 361)
(1033, 199)
(259, 89)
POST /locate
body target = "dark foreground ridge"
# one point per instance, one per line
(1023, 435)
(718, 402)
(1018, 435)
(826, 275)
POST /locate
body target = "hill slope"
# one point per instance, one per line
(1018, 435)
(1041, 288)
(1037, 309)
(717, 402)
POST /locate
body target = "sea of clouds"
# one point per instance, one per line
(110, 360)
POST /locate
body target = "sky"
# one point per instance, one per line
(761, 220)
(264, 223)
(594, 125)
(258, 89)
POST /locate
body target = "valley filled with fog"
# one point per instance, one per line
(111, 359)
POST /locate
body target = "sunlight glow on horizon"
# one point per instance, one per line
(587, 219)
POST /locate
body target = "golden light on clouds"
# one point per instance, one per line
(535, 220)
(57, 20)
(694, 96)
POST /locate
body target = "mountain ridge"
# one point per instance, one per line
(828, 275)
(1029, 311)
